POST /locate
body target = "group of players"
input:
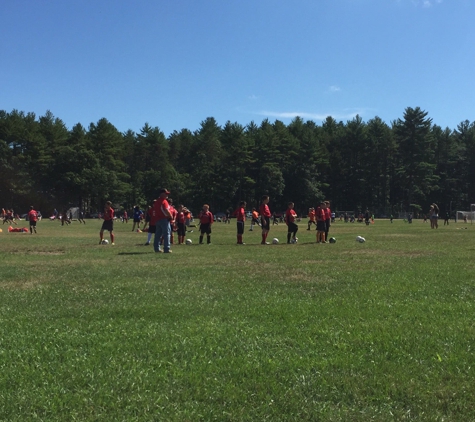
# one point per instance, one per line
(8, 216)
(164, 220)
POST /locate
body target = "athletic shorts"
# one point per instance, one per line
(265, 222)
(292, 228)
(152, 229)
(240, 227)
(108, 225)
(327, 225)
(32, 223)
(181, 229)
(205, 228)
(321, 226)
(137, 220)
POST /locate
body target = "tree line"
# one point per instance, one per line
(402, 166)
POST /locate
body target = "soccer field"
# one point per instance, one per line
(381, 330)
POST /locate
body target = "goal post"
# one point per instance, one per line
(466, 216)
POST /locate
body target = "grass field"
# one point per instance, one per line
(377, 331)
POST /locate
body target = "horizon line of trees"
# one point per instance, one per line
(388, 168)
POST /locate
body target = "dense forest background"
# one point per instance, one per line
(400, 167)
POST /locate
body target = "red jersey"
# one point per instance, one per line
(173, 212)
(290, 216)
(160, 208)
(180, 217)
(264, 210)
(240, 214)
(328, 213)
(311, 215)
(33, 215)
(206, 217)
(320, 214)
(108, 214)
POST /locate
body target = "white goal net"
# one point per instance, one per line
(466, 216)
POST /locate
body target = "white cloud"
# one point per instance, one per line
(253, 97)
(334, 88)
(311, 116)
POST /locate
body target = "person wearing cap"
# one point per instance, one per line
(162, 216)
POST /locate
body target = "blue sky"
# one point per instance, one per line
(173, 63)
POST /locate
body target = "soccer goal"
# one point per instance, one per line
(466, 216)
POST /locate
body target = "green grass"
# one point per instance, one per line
(378, 331)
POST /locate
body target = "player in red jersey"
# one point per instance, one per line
(173, 227)
(108, 223)
(290, 216)
(240, 214)
(151, 223)
(311, 217)
(265, 213)
(32, 218)
(328, 219)
(206, 220)
(320, 215)
(180, 224)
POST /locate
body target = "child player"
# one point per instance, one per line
(290, 216)
(311, 217)
(33, 218)
(152, 228)
(173, 227)
(108, 223)
(180, 223)
(265, 218)
(320, 215)
(206, 220)
(255, 219)
(240, 214)
(328, 218)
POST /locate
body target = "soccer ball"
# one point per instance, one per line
(294, 240)
(275, 241)
(189, 241)
(105, 242)
(360, 239)
(332, 240)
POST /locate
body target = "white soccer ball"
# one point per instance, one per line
(105, 242)
(275, 241)
(361, 239)
(189, 241)
(294, 240)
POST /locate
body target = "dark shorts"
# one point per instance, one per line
(240, 227)
(265, 222)
(321, 226)
(108, 225)
(137, 220)
(292, 228)
(152, 229)
(327, 225)
(32, 223)
(181, 229)
(205, 228)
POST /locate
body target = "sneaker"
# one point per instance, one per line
(159, 251)
(112, 244)
(169, 251)
(147, 244)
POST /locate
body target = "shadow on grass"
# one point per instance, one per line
(133, 253)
